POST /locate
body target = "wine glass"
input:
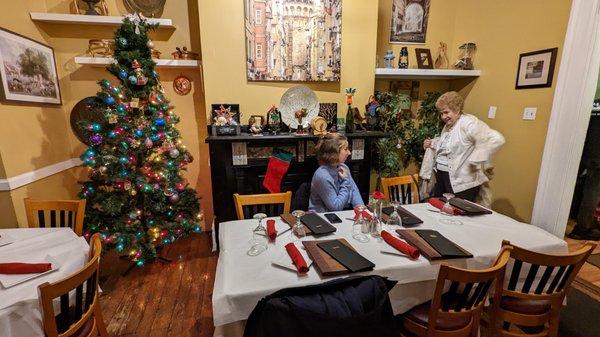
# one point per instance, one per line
(447, 212)
(259, 236)
(298, 228)
(394, 219)
(360, 226)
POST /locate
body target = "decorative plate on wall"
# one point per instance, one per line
(298, 98)
(82, 111)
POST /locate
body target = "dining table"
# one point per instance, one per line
(20, 313)
(242, 280)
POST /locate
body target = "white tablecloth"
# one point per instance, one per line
(242, 280)
(20, 314)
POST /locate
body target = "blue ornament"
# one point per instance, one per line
(123, 74)
(155, 138)
(132, 79)
(140, 263)
(122, 42)
(124, 173)
(160, 122)
(112, 134)
(124, 160)
(96, 127)
(120, 247)
(90, 152)
(121, 110)
(138, 133)
(109, 100)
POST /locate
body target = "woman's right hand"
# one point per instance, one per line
(342, 172)
(427, 143)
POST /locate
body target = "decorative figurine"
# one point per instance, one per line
(224, 117)
(95, 7)
(319, 125)
(274, 119)
(389, 57)
(255, 127)
(372, 115)
(403, 61)
(467, 51)
(441, 61)
(358, 120)
(184, 54)
(300, 114)
(350, 127)
(139, 74)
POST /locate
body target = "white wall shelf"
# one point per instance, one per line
(424, 74)
(101, 20)
(160, 63)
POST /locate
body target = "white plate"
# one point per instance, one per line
(280, 226)
(10, 280)
(294, 99)
(283, 259)
(6, 239)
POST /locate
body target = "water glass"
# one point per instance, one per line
(360, 227)
(259, 236)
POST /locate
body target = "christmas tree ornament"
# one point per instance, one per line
(123, 74)
(122, 42)
(109, 100)
(174, 153)
(138, 133)
(102, 169)
(135, 103)
(174, 198)
(112, 119)
(148, 143)
(150, 44)
(121, 110)
(96, 139)
(159, 122)
(132, 79)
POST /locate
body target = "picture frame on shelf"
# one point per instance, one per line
(424, 59)
(28, 70)
(536, 69)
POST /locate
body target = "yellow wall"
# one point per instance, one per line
(503, 30)
(34, 136)
(223, 55)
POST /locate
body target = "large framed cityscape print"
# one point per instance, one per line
(409, 21)
(293, 40)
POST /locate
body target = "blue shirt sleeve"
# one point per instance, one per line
(324, 186)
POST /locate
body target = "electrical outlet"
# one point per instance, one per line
(529, 113)
(492, 112)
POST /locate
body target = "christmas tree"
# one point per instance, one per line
(136, 195)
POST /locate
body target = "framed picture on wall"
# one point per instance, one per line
(536, 69)
(28, 70)
(424, 60)
(409, 21)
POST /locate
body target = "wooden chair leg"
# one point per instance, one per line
(553, 323)
(100, 322)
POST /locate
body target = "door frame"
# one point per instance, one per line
(569, 119)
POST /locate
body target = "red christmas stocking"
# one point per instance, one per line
(279, 163)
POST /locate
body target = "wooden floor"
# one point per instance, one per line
(588, 279)
(161, 299)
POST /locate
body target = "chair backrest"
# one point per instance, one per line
(55, 213)
(402, 189)
(301, 197)
(273, 204)
(467, 293)
(557, 272)
(78, 316)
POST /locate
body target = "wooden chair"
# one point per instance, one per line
(402, 189)
(458, 311)
(272, 204)
(84, 318)
(534, 306)
(56, 213)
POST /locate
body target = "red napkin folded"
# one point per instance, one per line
(365, 215)
(438, 203)
(297, 258)
(271, 231)
(400, 245)
(24, 268)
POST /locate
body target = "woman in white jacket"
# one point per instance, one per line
(461, 151)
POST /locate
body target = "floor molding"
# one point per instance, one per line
(33, 176)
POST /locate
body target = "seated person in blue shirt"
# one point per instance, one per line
(332, 187)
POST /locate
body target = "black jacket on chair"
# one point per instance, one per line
(348, 307)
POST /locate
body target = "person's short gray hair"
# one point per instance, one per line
(451, 100)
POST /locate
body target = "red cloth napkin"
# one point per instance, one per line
(24, 268)
(400, 245)
(365, 215)
(438, 203)
(271, 231)
(297, 258)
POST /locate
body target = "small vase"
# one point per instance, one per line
(375, 226)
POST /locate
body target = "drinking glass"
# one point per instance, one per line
(448, 212)
(394, 219)
(360, 226)
(259, 236)
(298, 231)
